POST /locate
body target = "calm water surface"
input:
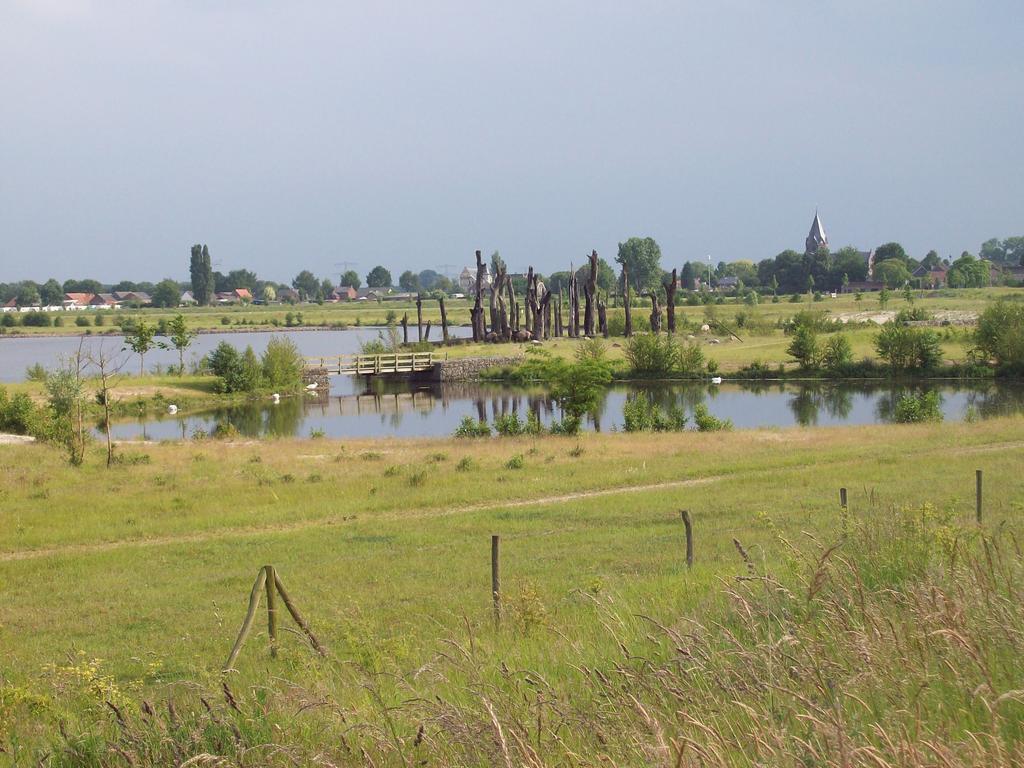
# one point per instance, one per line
(17, 354)
(396, 409)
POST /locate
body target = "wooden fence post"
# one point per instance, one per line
(271, 608)
(496, 578)
(688, 525)
(842, 498)
(977, 493)
(254, 601)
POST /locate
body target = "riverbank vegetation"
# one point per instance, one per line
(883, 633)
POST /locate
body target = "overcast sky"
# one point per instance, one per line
(292, 135)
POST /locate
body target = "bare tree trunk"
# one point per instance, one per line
(405, 328)
(479, 328)
(628, 331)
(590, 292)
(513, 306)
(444, 320)
(544, 316)
(655, 312)
(419, 318)
(670, 302)
(531, 301)
(602, 316)
(574, 304)
(426, 334)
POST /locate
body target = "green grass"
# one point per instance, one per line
(148, 567)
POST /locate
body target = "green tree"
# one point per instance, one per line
(140, 338)
(51, 294)
(892, 272)
(931, 260)
(577, 388)
(167, 293)
(28, 294)
(837, 353)
(891, 251)
(804, 347)
(1000, 335)
(605, 276)
(201, 274)
(378, 277)
(908, 349)
(281, 365)
(642, 257)
(497, 263)
(181, 337)
(306, 284)
(409, 281)
(351, 277)
(325, 290)
(883, 297)
(241, 278)
(968, 272)
(269, 293)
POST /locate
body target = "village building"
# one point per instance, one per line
(467, 279)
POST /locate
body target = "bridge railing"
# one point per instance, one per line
(392, 362)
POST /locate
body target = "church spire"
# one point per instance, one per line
(816, 238)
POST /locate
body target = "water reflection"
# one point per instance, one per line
(379, 408)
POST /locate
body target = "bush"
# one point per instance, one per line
(516, 462)
(18, 415)
(705, 422)
(837, 354)
(35, 372)
(913, 409)
(1000, 335)
(593, 350)
(641, 414)
(470, 427)
(282, 365)
(804, 347)
(653, 355)
(508, 425)
(908, 349)
(36, 320)
(913, 314)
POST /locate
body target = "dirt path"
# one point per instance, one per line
(324, 522)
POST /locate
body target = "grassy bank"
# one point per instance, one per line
(384, 545)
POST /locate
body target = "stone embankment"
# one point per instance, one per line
(470, 368)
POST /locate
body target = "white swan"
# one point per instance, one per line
(311, 386)
(716, 379)
(275, 397)
(172, 409)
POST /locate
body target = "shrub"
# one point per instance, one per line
(508, 425)
(913, 314)
(837, 354)
(516, 462)
(641, 414)
(225, 320)
(37, 320)
(35, 372)
(908, 349)
(705, 422)
(1000, 335)
(18, 414)
(99, 319)
(650, 354)
(470, 427)
(912, 409)
(804, 347)
(465, 464)
(593, 350)
(282, 365)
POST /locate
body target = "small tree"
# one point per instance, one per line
(837, 353)
(64, 396)
(883, 297)
(109, 365)
(140, 338)
(908, 295)
(181, 338)
(804, 347)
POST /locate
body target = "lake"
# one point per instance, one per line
(399, 409)
(18, 353)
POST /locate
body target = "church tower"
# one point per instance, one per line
(816, 238)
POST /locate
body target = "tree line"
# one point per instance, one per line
(788, 272)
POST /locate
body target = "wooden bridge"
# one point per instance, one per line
(371, 365)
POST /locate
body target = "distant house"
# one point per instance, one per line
(236, 296)
(371, 294)
(140, 298)
(728, 283)
(289, 296)
(467, 279)
(187, 299)
(77, 300)
(11, 305)
(398, 296)
(104, 300)
(344, 293)
(928, 277)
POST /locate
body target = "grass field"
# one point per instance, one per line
(384, 546)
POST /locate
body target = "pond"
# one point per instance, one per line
(403, 409)
(18, 353)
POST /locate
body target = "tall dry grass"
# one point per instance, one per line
(899, 645)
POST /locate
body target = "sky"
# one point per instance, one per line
(301, 134)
